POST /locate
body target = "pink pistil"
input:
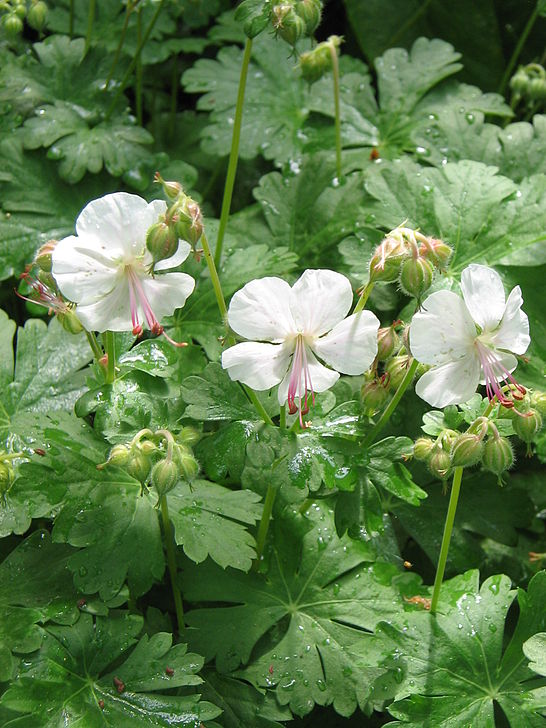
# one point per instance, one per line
(494, 373)
(137, 296)
(300, 366)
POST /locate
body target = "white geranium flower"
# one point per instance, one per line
(469, 341)
(299, 322)
(105, 268)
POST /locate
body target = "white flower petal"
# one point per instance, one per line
(319, 378)
(82, 273)
(167, 292)
(111, 312)
(452, 383)
(351, 346)
(175, 260)
(120, 221)
(506, 363)
(443, 331)
(258, 365)
(483, 293)
(319, 300)
(513, 332)
(260, 310)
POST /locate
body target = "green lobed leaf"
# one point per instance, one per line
(213, 396)
(69, 679)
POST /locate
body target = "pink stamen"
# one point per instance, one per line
(136, 291)
(45, 296)
(495, 373)
(300, 366)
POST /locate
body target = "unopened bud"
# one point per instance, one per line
(119, 455)
(436, 251)
(536, 89)
(189, 467)
(12, 23)
(439, 463)
(422, 448)
(466, 450)
(188, 436)
(498, 455)
(388, 342)
(518, 82)
(288, 24)
(189, 224)
(36, 15)
(170, 188)
(397, 368)
(387, 259)
(309, 11)
(161, 241)
(138, 467)
(538, 401)
(146, 447)
(374, 395)
(416, 276)
(43, 256)
(528, 425)
(165, 475)
(70, 322)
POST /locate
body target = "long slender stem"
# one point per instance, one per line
(110, 346)
(94, 344)
(233, 154)
(517, 50)
(364, 296)
(446, 538)
(90, 21)
(385, 417)
(335, 70)
(71, 19)
(263, 528)
(134, 60)
(128, 10)
(220, 300)
(138, 70)
(258, 406)
(171, 563)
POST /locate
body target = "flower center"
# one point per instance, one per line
(300, 380)
(495, 374)
(137, 297)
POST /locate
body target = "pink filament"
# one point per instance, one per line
(494, 373)
(137, 296)
(300, 366)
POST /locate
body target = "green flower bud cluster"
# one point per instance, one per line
(14, 12)
(295, 19)
(526, 414)
(42, 290)
(529, 83)
(409, 257)
(182, 221)
(157, 459)
(316, 63)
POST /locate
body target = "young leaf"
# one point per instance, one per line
(69, 680)
(309, 612)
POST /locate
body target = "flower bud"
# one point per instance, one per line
(20, 8)
(119, 455)
(387, 259)
(165, 475)
(43, 256)
(70, 322)
(161, 241)
(466, 450)
(12, 23)
(439, 463)
(498, 455)
(536, 89)
(309, 11)
(170, 188)
(397, 368)
(436, 251)
(146, 447)
(416, 276)
(422, 448)
(189, 467)
(36, 15)
(138, 466)
(189, 221)
(538, 401)
(316, 63)
(374, 395)
(388, 342)
(528, 425)
(288, 24)
(518, 82)
(188, 436)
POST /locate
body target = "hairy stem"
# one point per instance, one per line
(385, 417)
(263, 528)
(171, 563)
(335, 70)
(233, 154)
(446, 538)
(517, 50)
(94, 344)
(364, 296)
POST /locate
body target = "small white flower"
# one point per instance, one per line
(469, 341)
(299, 321)
(105, 268)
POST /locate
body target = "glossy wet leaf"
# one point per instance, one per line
(71, 678)
(454, 664)
(311, 611)
(213, 396)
